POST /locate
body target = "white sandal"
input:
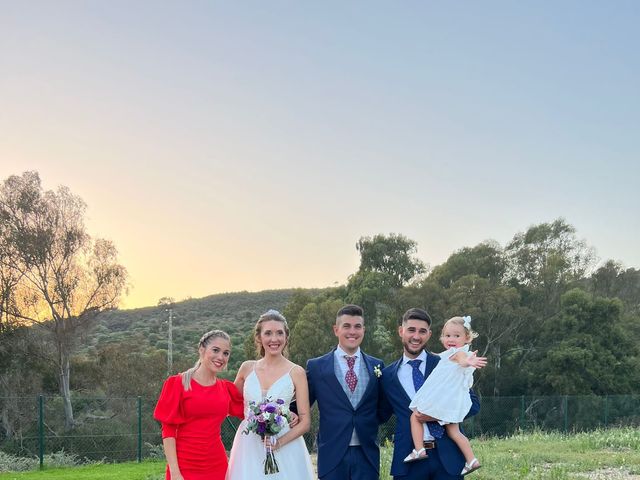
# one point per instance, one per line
(416, 455)
(472, 466)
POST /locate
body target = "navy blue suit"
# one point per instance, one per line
(338, 417)
(446, 460)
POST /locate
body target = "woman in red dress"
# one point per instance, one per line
(192, 407)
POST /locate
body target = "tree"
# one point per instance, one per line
(587, 350)
(393, 255)
(613, 280)
(546, 259)
(22, 368)
(313, 334)
(485, 260)
(64, 278)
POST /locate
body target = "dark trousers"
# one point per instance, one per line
(353, 466)
(428, 469)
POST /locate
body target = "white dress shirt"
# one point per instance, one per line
(406, 380)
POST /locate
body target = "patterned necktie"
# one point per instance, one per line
(350, 377)
(435, 428)
(416, 374)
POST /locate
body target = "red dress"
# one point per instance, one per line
(194, 418)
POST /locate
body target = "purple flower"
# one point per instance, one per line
(280, 401)
(271, 408)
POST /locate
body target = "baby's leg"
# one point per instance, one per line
(417, 431)
(453, 430)
(417, 434)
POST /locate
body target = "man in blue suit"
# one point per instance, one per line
(445, 460)
(345, 383)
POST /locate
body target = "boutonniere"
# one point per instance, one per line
(377, 371)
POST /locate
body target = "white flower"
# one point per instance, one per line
(377, 371)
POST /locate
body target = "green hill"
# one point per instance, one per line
(235, 313)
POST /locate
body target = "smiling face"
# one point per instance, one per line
(273, 337)
(215, 355)
(414, 334)
(454, 335)
(350, 331)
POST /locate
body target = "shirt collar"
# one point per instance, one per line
(422, 356)
(341, 353)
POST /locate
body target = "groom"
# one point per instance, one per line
(400, 380)
(345, 384)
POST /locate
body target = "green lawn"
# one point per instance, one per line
(600, 455)
(120, 471)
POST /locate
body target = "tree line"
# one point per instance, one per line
(550, 320)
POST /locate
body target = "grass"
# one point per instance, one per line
(600, 455)
(148, 470)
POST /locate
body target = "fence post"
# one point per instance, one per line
(139, 429)
(565, 402)
(606, 411)
(41, 430)
(522, 411)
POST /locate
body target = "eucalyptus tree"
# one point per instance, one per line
(64, 277)
(545, 260)
(587, 350)
(392, 255)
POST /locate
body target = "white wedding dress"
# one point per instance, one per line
(246, 461)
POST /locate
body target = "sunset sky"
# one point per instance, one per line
(228, 146)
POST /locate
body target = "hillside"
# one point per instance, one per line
(235, 313)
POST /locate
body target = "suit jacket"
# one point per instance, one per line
(338, 417)
(396, 401)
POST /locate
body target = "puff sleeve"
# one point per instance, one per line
(168, 410)
(236, 402)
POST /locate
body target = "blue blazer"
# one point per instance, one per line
(338, 417)
(396, 401)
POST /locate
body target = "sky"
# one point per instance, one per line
(229, 146)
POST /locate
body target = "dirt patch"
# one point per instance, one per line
(610, 474)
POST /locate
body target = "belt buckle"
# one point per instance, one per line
(429, 445)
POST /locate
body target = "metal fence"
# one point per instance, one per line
(123, 429)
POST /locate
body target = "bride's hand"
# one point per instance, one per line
(294, 420)
(271, 443)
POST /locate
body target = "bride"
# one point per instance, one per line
(272, 376)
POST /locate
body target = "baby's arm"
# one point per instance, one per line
(471, 360)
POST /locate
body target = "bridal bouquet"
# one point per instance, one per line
(267, 419)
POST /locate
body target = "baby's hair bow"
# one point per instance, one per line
(467, 322)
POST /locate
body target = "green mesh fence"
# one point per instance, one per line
(123, 429)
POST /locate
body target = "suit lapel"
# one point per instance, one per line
(395, 381)
(372, 377)
(329, 376)
(430, 364)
